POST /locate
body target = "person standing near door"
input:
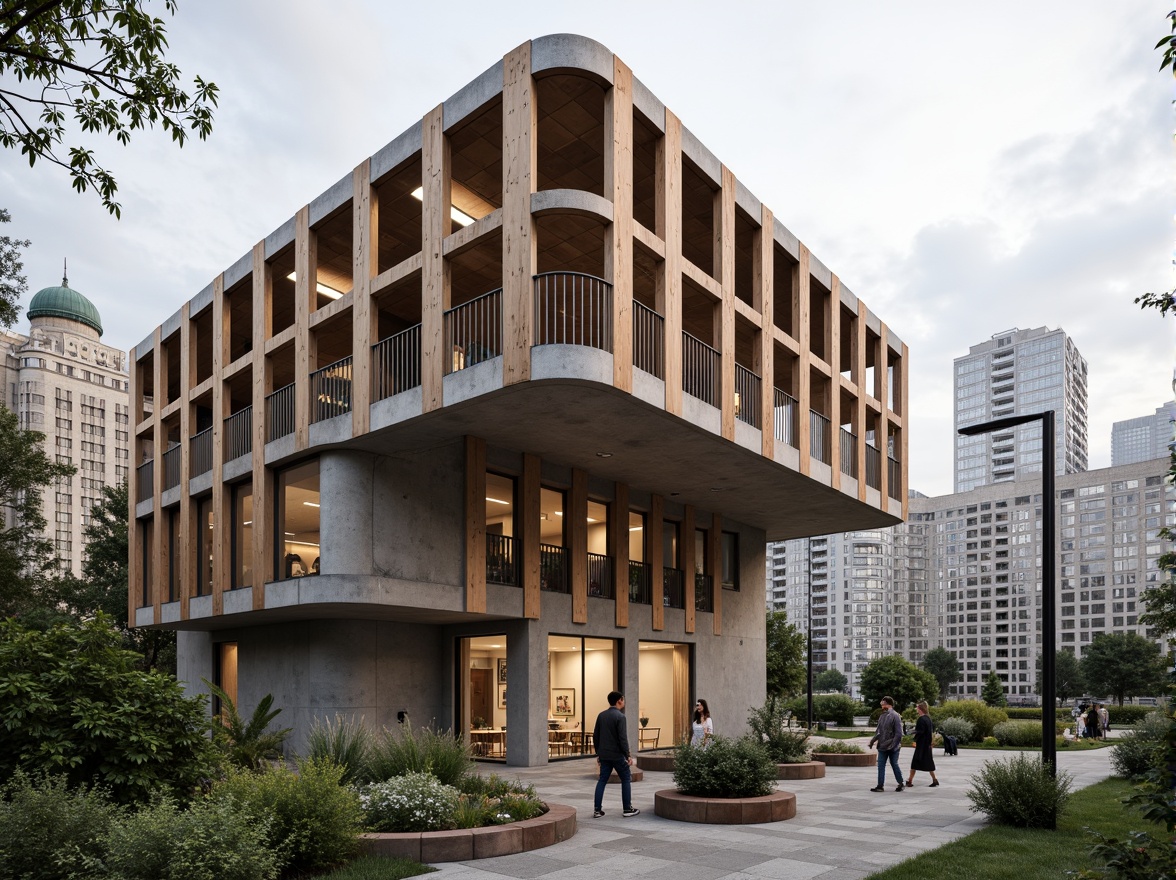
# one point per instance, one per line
(610, 739)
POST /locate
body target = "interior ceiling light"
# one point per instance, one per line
(310, 503)
(328, 292)
(496, 501)
(289, 534)
(458, 216)
(636, 528)
(604, 455)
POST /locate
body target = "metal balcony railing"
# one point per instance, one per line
(396, 363)
(640, 583)
(502, 562)
(704, 592)
(673, 588)
(572, 308)
(553, 568)
(239, 433)
(873, 467)
(785, 418)
(848, 453)
(145, 481)
(330, 390)
(171, 468)
(279, 413)
(649, 340)
(200, 453)
(600, 576)
(894, 478)
(819, 437)
(747, 396)
(700, 369)
(473, 332)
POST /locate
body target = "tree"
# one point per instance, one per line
(26, 555)
(1123, 665)
(895, 677)
(787, 671)
(831, 680)
(1068, 681)
(993, 692)
(13, 283)
(942, 664)
(101, 62)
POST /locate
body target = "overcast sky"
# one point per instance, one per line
(963, 168)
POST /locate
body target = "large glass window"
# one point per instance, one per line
(204, 533)
(599, 561)
(730, 542)
(640, 583)
(582, 672)
(173, 547)
(297, 527)
(664, 682)
(147, 536)
(553, 563)
(501, 556)
(243, 535)
(482, 695)
(225, 673)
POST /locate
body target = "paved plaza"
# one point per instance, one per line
(842, 830)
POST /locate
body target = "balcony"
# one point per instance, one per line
(200, 453)
(473, 332)
(502, 561)
(704, 592)
(396, 363)
(553, 569)
(145, 481)
(572, 308)
(700, 369)
(640, 583)
(600, 578)
(649, 334)
(279, 413)
(330, 391)
(873, 467)
(819, 437)
(784, 418)
(747, 396)
(849, 454)
(171, 468)
(674, 588)
(239, 433)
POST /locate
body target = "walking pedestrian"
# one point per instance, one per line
(702, 729)
(1093, 723)
(923, 759)
(888, 736)
(1104, 718)
(610, 739)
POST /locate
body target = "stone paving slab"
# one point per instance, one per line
(842, 830)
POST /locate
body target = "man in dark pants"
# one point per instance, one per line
(889, 740)
(610, 738)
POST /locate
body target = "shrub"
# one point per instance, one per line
(1028, 713)
(1122, 716)
(961, 728)
(784, 745)
(346, 742)
(838, 709)
(75, 703)
(493, 786)
(397, 752)
(492, 800)
(1138, 750)
(315, 821)
(1018, 733)
(211, 840)
(983, 717)
(726, 768)
(249, 743)
(990, 742)
(1019, 792)
(77, 817)
(837, 747)
(409, 802)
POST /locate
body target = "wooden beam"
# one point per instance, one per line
(882, 379)
(669, 276)
(263, 528)
(833, 329)
(802, 328)
(221, 502)
(859, 418)
(134, 530)
(764, 285)
(618, 255)
(305, 300)
(578, 544)
(159, 530)
(654, 552)
(186, 572)
(435, 214)
(725, 259)
(519, 259)
(529, 530)
(619, 539)
(475, 518)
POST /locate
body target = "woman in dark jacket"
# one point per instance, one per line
(1093, 722)
(923, 759)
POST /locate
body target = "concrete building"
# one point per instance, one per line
(528, 390)
(1144, 438)
(1019, 371)
(61, 381)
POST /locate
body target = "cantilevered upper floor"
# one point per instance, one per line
(551, 262)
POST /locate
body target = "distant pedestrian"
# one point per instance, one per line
(702, 729)
(1104, 718)
(1080, 726)
(888, 736)
(923, 760)
(1093, 723)
(610, 739)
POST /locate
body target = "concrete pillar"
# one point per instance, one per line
(526, 705)
(346, 512)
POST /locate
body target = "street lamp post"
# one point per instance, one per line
(810, 645)
(1049, 747)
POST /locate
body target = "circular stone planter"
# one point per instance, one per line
(836, 759)
(662, 762)
(802, 770)
(558, 823)
(775, 807)
(635, 775)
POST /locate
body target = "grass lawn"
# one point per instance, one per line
(852, 733)
(378, 868)
(1002, 853)
(1081, 746)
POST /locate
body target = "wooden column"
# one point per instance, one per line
(134, 529)
(578, 544)
(764, 286)
(619, 526)
(669, 279)
(305, 300)
(618, 253)
(159, 530)
(655, 553)
(435, 211)
(859, 374)
(881, 379)
(222, 505)
(475, 517)
(902, 377)
(688, 565)
(725, 263)
(519, 260)
(365, 220)
(528, 525)
(263, 493)
(715, 537)
(833, 328)
(804, 377)
(186, 552)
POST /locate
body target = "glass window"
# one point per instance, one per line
(636, 536)
(665, 680)
(701, 551)
(173, 546)
(297, 528)
(148, 567)
(501, 558)
(242, 535)
(670, 544)
(582, 672)
(482, 700)
(204, 534)
(730, 542)
(599, 551)
(553, 565)
(225, 674)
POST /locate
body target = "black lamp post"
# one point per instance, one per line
(810, 642)
(1049, 750)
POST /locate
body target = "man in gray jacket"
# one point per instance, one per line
(611, 741)
(888, 736)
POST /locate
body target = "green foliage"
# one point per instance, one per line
(961, 728)
(784, 745)
(1123, 664)
(73, 702)
(13, 283)
(1127, 715)
(379, 868)
(1018, 733)
(1019, 792)
(78, 818)
(726, 768)
(315, 821)
(983, 717)
(1068, 680)
(1139, 750)
(787, 670)
(831, 680)
(836, 747)
(993, 691)
(893, 676)
(346, 742)
(247, 743)
(411, 801)
(404, 750)
(944, 666)
(493, 800)
(211, 840)
(102, 63)
(1141, 856)
(837, 708)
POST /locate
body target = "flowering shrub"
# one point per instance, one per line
(411, 802)
(836, 747)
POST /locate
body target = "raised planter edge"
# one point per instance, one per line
(801, 770)
(775, 807)
(841, 759)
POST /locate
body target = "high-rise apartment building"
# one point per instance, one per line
(61, 381)
(1015, 372)
(1144, 438)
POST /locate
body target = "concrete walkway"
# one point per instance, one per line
(842, 830)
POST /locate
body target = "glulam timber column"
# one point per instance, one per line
(134, 530)
(263, 491)
(305, 298)
(435, 290)
(832, 324)
(221, 502)
(901, 378)
(724, 254)
(764, 302)
(158, 528)
(519, 241)
(669, 278)
(186, 550)
(881, 380)
(365, 219)
(804, 378)
(618, 252)
(859, 374)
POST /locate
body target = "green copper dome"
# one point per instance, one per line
(64, 302)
